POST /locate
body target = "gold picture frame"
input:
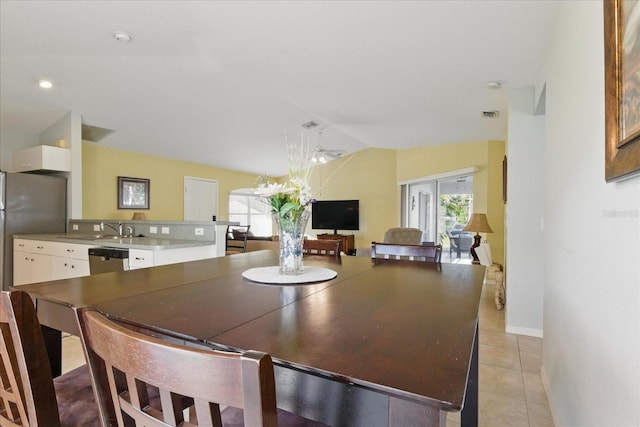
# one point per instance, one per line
(622, 90)
(133, 193)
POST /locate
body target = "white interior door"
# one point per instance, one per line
(421, 209)
(200, 199)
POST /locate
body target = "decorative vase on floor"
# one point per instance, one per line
(291, 228)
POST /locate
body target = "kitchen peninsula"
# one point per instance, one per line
(46, 257)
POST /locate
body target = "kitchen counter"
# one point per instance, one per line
(151, 243)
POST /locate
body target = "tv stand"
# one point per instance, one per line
(347, 244)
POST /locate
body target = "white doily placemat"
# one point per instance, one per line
(272, 276)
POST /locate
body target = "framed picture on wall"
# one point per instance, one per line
(133, 193)
(622, 89)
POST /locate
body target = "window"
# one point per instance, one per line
(247, 210)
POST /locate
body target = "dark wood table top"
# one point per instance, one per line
(402, 330)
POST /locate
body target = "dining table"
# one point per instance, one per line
(384, 344)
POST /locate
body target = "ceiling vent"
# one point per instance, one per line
(491, 114)
(310, 125)
(94, 133)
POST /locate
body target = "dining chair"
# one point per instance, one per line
(237, 236)
(128, 366)
(460, 242)
(30, 397)
(381, 252)
(330, 248)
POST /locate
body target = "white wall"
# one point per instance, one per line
(524, 268)
(13, 141)
(69, 128)
(591, 359)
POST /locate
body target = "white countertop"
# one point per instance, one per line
(150, 243)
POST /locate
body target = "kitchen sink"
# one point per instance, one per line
(93, 237)
(81, 237)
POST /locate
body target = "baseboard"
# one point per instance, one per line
(524, 331)
(547, 390)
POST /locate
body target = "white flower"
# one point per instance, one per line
(271, 189)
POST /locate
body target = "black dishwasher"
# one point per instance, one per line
(104, 260)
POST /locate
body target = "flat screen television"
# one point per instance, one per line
(335, 215)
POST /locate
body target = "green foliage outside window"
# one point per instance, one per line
(456, 208)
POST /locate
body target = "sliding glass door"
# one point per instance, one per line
(441, 208)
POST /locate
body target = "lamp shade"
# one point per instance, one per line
(139, 216)
(478, 223)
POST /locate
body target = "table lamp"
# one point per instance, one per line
(478, 223)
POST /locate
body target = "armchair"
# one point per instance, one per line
(403, 236)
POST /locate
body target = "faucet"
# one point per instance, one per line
(117, 229)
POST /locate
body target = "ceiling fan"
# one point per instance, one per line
(320, 154)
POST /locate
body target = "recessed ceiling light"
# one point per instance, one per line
(494, 85)
(122, 36)
(45, 84)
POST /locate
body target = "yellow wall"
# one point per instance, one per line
(370, 177)
(102, 165)
(417, 163)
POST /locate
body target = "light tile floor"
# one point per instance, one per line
(72, 354)
(510, 389)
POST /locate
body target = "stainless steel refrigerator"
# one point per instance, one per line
(29, 204)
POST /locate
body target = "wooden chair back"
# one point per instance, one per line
(27, 396)
(381, 252)
(330, 248)
(127, 367)
(237, 236)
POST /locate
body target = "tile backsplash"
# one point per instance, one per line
(181, 230)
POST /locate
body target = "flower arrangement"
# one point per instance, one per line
(288, 201)
(289, 206)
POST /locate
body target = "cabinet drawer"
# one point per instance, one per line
(71, 250)
(33, 246)
(140, 258)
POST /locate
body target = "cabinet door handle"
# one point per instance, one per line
(40, 247)
(21, 245)
(65, 264)
(70, 250)
(139, 258)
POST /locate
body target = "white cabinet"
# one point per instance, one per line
(30, 267)
(41, 261)
(140, 258)
(42, 157)
(173, 256)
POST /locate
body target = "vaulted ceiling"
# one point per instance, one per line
(226, 82)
